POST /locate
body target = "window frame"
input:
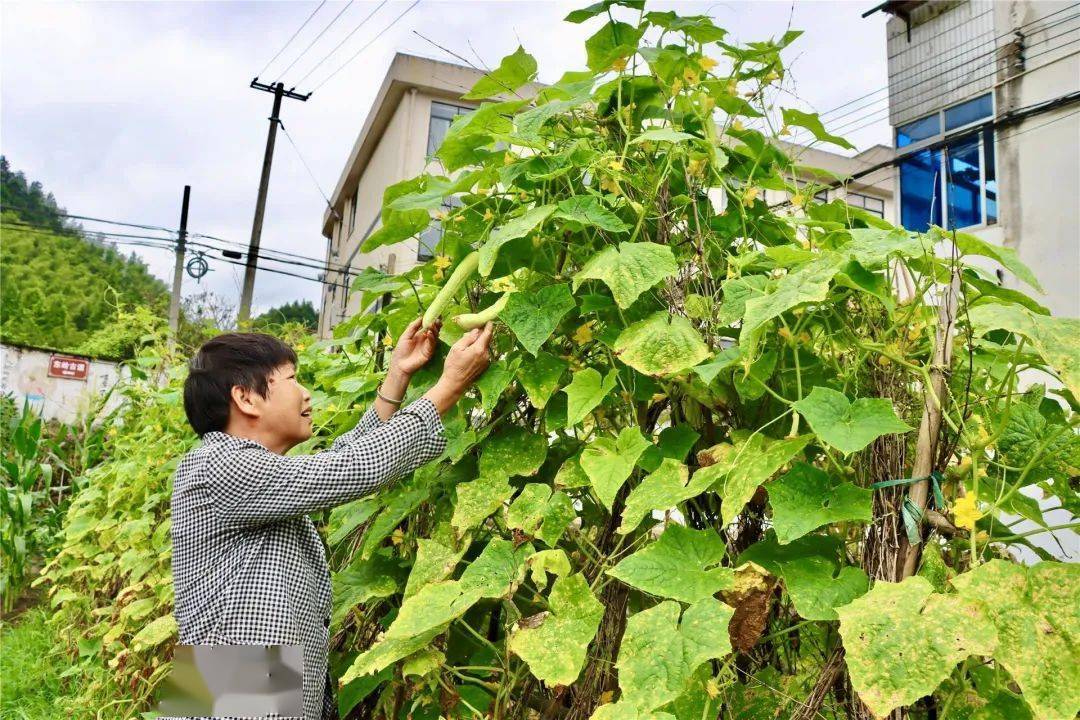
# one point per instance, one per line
(943, 139)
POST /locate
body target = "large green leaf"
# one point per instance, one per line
(528, 508)
(495, 380)
(514, 451)
(534, 315)
(807, 284)
(817, 589)
(586, 210)
(478, 499)
(553, 644)
(741, 467)
(514, 71)
(434, 562)
(664, 488)
(902, 639)
(849, 426)
(1007, 257)
(598, 8)
(629, 270)
(387, 651)
(625, 711)
(736, 293)
(873, 247)
(609, 461)
(659, 654)
(812, 122)
(585, 391)
(519, 226)
(663, 134)
(397, 225)
(528, 124)
(378, 576)
(661, 345)
(1057, 340)
(497, 570)
(540, 377)
(807, 498)
(1036, 611)
(673, 442)
(613, 41)
(684, 564)
(558, 514)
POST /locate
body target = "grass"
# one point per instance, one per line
(29, 674)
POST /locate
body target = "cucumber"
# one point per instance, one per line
(468, 321)
(457, 278)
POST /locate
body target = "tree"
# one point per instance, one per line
(302, 312)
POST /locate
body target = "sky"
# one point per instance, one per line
(114, 107)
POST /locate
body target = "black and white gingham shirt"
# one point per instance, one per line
(248, 565)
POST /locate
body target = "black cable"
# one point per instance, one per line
(343, 41)
(308, 168)
(366, 45)
(321, 33)
(287, 42)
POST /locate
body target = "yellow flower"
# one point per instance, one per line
(440, 214)
(388, 341)
(737, 125)
(696, 168)
(750, 194)
(965, 512)
(488, 215)
(707, 63)
(300, 347)
(784, 333)
(690, 76)
(459, 218)
(611, 185)
(331, 407)
(784, 131)
(619, 65)
(438, 275)
(707, 103)
(584, 333)
(523, 196)
(798, 200)
(442, 261)
(676, 86)
(503, 285)
(508, 158)
(773, 76)
(615, 165)
(732, 87)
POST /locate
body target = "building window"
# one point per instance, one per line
(442, 115)
(870, 204)
(954, 183)
(429, 239)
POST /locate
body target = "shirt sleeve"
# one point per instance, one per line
(253, 486)
(368, 422)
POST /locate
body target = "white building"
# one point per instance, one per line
(984, 100)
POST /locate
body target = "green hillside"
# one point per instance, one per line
(57, 287)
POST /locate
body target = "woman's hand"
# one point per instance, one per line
(467, 360)
(414, 348)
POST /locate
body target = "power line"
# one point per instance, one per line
(870, 119)
(282, 255)
(937, 60)
(293, 37)
(321, 33)
(310, 174)
(343, 41)
(47, 232)
(367, 45)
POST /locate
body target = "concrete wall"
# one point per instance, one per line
(24, 374)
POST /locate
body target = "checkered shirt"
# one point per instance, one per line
(248, 565)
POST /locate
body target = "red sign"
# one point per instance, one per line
(72, 368)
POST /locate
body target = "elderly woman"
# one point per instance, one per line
(248, 564)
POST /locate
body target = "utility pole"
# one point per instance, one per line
(178, 267)
(279, 91)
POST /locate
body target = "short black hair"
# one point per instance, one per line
(232, 359)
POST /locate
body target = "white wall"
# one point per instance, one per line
(24, 374)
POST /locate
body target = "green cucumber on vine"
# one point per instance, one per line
(468, 321)
(461, 273)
